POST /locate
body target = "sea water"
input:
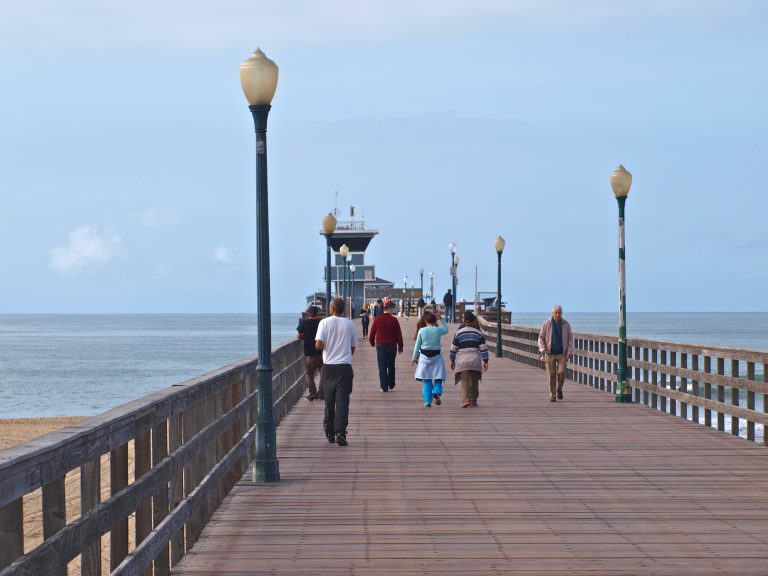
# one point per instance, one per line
(81, 365)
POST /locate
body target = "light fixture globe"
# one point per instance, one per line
(431, 274)
(455, 260)
(258, 77)
(452, 247)
(352, 268)
(344, 250)
(329, 224)
(499, 244)
(621, 181)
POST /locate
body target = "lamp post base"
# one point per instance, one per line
(266, 471)
(623, 398)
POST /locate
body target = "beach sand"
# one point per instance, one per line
(15, 431)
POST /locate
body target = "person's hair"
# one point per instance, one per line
(312, 310)
(471, 320)
(337, 305)
(429, 318)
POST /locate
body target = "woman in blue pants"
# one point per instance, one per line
(430, 366)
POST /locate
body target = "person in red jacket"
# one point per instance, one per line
(386, 336)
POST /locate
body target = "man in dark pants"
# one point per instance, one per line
(313, 358)
(386, 335)
(448, 304)
(337, 338)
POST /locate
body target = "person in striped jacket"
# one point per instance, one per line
(469, 358)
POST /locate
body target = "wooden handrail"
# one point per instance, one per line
(191, 441)
(668, 376)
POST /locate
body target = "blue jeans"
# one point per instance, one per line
(385, 355)
(430, 389)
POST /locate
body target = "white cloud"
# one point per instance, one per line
(222, 255)
(87, 247)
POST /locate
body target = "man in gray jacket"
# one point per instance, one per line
(556, 344)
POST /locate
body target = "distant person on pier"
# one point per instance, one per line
(337, 338)
(469, 358)
(313, 358)
(378, 308)
(420, 305)
(365, 318)
(556, 344)
(448, 303)
(430, 366)
(387, 337)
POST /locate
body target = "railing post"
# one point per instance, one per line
(11, 532)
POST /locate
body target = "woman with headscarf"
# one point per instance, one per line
(469, 358)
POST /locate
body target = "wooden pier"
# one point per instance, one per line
(516, 485)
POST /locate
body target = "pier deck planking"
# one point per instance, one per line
(517, 485)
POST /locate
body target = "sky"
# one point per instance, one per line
(127, 154)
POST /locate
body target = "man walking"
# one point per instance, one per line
(313, 358)
(386, 336)
(556, 344)
(337, 338)
(448, 304)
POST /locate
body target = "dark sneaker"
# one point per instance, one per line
(436, 398)
(311, 397)
(331, 438)
(559, 395)
(552, 399)
(392, 386)
(341, 440)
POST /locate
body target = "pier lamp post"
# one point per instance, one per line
(431, 285)
(621, 181)
(258, 78)
(452, 249)
(352, 290)
(347, 276)
(499, 245)
(343, 252)
(455, 284)
(329, 227)
(421, 275)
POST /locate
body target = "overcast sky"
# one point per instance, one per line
(127, 149)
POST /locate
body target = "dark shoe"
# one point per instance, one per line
(331, 438)
(559, 395)
(473, 403)
(341, 440)
(436, 397)
(311, 397)
(392, 386)
(385, 389)
(552, 399)
(428, 405)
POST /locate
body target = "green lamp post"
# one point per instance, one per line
(621, 181)
(258, 77)
(329, 227)
(498, 244)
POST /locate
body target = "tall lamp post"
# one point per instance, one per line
(349, 284)
(352, 290)
(452, 250)
(343, 252)
(455, 284)
(431, 285)
(329, 227)
(421, 275)
(621, 181)
(499, 245)
(258, 77)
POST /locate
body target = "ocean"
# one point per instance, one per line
(81, 365)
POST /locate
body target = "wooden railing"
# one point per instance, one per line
(188, 444)
(717, 387)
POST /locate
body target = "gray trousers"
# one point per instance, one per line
(337, 384)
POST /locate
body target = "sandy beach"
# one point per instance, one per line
(15, 431)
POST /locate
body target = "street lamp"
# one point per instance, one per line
(329, 227)
(455, 284)
(452, 249)
(258, 77)
(352, 291)
(499, 245)
(431, 285)
(348, 288)
(621, 181)
(421, 274)
(343, 252)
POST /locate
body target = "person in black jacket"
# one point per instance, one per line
(448, 303)
(313, 358)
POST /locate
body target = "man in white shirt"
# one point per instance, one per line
(337, 338)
